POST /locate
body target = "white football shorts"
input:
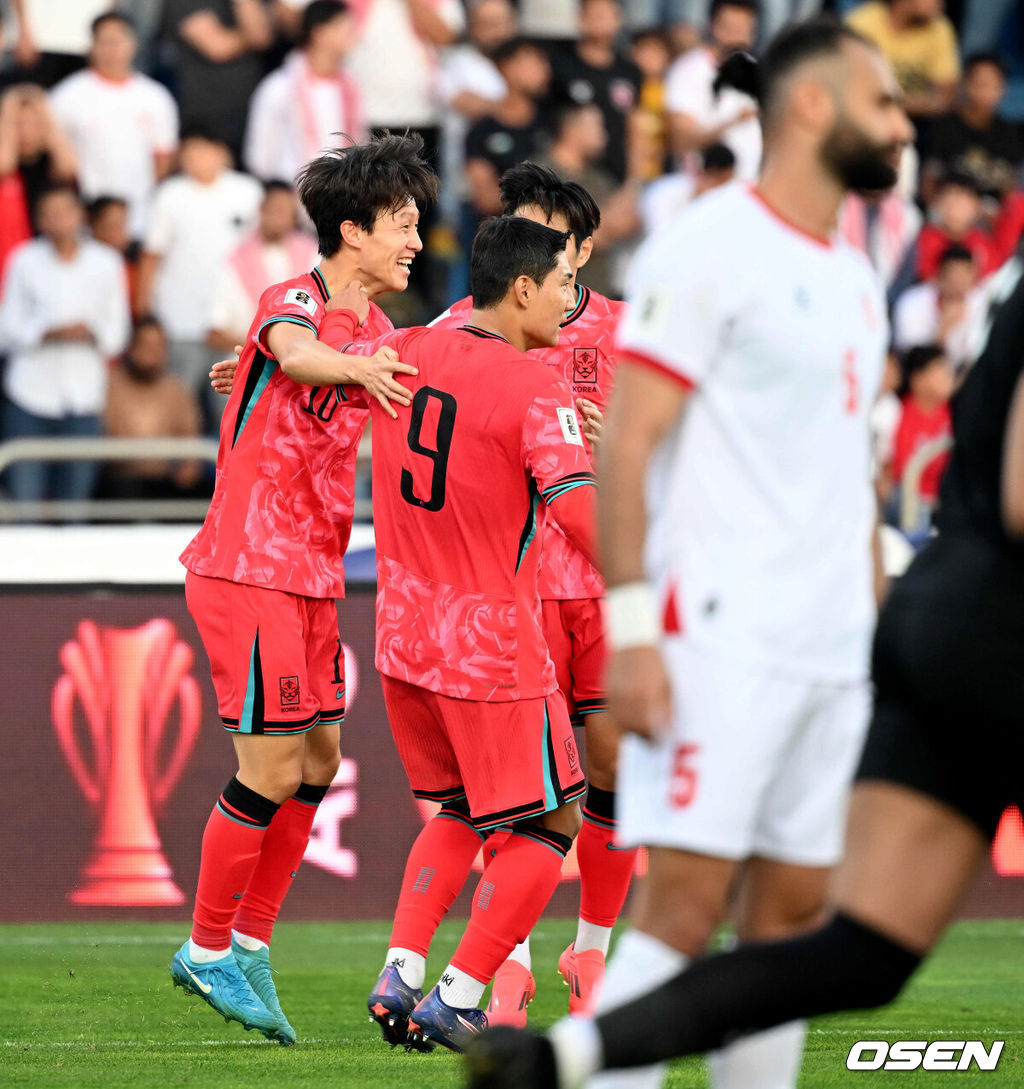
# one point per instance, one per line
(755, 763)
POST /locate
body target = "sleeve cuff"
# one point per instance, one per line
(630, 355)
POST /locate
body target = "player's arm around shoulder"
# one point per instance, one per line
(310, 355)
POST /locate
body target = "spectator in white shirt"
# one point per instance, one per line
(63, 315)
(276, 251)
(198, 218)
(471, 86)
(310, 103)
(699, 115)
(122, 124)
(942, 311)
(53, 37)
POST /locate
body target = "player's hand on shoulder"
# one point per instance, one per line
(222, 374)
(592, 419)
(376, 374)
(638, 692)
(352, 296)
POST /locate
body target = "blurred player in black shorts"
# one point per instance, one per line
(943, 758)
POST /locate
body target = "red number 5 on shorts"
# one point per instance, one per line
(682, 786)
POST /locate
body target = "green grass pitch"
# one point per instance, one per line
(92, 1007)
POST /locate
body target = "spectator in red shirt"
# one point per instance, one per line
(925, 416)
(955, 212)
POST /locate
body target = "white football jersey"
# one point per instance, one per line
(760, 500)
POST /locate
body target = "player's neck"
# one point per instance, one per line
(806, 198)
(341, 269)
(499, 323)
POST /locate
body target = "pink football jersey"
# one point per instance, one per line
(585, 357)
(281, 514)
(458, 480)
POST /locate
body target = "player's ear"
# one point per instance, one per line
(523, 290)
(585, 250)
(351, 233)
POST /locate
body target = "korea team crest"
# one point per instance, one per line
(584, 365)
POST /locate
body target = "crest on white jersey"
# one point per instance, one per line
(653, 310)
(570, 426)
(302, 298)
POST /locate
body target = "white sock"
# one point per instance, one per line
(412, 967)
(766, 1060)
(460, 990)
(199, 955)
(521, 954)
(591, 936)
(639, 964)
(577, 1046)
(254, 945)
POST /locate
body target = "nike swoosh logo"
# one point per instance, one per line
(467, 1024)
(206, 988)
(616, 847)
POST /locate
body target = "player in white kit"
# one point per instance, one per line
(737, 525)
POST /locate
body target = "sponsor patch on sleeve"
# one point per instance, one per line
(570, 426)
(302, 298)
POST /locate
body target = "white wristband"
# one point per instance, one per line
(631, 616)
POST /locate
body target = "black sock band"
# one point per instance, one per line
(246, 806)
(845, 965)
(557, 840)
(599, 808)
(310, 794)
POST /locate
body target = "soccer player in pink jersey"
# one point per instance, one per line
(571, 590)
(471, 691)
(266, 567)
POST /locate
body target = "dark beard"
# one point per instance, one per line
(140, 374)
(856, 162)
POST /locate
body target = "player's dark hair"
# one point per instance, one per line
(962, 179)
(915, 360)
(68, 189)
(955, 252)
(507, 247)
(147, 321)
(362, 182)
(793, 46)
(98, 205)
(112, 17)
(197, 130)
(987, 57)
(317, 14)
(530, 183)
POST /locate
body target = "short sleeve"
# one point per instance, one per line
(165, 129)
(553, 449)
(289, 303)
(676, 312)
(944, 60)
(686, 88)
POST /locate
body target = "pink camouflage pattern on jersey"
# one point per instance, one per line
(585, 357)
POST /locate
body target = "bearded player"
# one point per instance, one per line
(266, 567)
(571, 592)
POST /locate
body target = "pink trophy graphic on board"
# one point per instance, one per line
(128, 684)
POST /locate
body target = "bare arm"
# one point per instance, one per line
(8, 132)
(471, 105)
(934, 102)
(163, 162)
(219, 43)
(429, 24)
(689, 135)
(1013, 466)
(644, 407)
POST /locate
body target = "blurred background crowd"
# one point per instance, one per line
(148, 149)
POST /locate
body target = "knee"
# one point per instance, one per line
(566, 820)
(321, 768)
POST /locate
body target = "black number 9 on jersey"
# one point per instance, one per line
(437, 454)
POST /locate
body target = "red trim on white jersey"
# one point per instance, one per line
(630, 356)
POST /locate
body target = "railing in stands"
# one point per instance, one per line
(910, 486)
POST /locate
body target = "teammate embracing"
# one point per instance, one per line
(571, 590)
(266, 567)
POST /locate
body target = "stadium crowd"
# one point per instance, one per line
(147, 149)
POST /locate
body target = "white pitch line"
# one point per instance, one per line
(103, 939)
(107, 1045)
